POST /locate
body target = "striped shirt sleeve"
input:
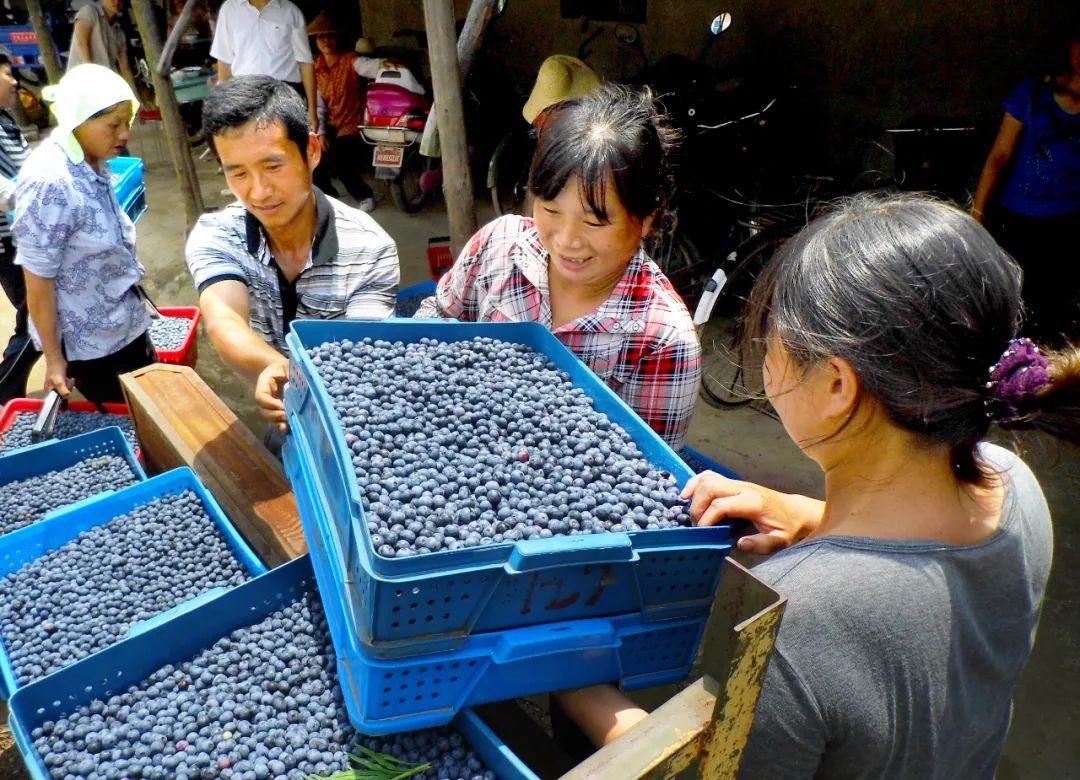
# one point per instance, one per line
(375, 296)
(211, 254)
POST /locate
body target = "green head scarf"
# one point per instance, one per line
(82, 92)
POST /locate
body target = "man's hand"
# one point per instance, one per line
(56, 377)
(780, 518)
(269, 388)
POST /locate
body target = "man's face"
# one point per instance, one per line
(112, 7)
(265, 170)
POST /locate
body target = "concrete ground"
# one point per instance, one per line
(1044, 740)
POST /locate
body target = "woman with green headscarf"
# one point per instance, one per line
(77, 246)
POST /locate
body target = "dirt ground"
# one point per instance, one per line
(1043, 742)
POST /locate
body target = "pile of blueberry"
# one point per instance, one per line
(67, 424)
(26, 500)
(407, 305)
(86, 594)
(459, 444)
(263, 702)
(168, 334)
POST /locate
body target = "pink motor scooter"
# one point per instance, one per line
(396, 109)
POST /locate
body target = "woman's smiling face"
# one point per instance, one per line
(585, 249)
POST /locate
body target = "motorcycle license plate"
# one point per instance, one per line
(389, 156)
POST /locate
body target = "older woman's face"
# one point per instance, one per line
(105, 136)
(9, 87)
(585, 250)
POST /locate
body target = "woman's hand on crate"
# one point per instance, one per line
(269, 388)
(781, 519)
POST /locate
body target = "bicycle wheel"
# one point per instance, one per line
(678, 257)
(508, 174)
(728, 376)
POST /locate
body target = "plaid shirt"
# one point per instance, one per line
(641, 341)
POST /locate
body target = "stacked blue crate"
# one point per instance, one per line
(488, 607)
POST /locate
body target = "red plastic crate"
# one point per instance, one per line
(33, 405)
(439, 256)
(188, 354)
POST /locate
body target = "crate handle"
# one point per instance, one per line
(555, 639)
(179, 609)
(536, 554)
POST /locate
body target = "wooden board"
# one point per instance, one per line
(180, 421)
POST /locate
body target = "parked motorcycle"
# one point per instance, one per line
(396, 108)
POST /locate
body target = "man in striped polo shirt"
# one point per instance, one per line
(20, 354)
(286, 251)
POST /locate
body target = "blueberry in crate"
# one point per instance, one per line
(483, 478)
(243, 686)
(169, 333)
(37, 481)
(464, 444)
(69, 423)
(81, 580)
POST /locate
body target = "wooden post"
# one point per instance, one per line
(472, 33)
(49, 55)
(179, 147)
(446, 81)
(164, 66)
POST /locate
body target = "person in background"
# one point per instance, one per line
(285, 251)
(1029, 193)
(579, 266)
(98, 38)
(265, 38)
(341, 112)
(20, 355)
(77, 246)
(914, 590)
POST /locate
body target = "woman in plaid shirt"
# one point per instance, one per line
(578, 265)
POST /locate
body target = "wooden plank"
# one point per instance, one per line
(180, 421)
(49, 58)
(446, 83)
(165, 95)
(701, 731)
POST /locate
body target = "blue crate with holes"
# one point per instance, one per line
(429, 603)
(58, 454)
(698, 462)
(128, 183)
(32, 542)
(389, 695)
(132, 660)
(409, 298)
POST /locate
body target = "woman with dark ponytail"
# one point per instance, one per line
(890, 334)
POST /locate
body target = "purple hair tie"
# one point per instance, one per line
(1021, 372)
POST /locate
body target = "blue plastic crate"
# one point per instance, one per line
(57, 454)
(28, 544)
(697, 462)
(129, 186)
(132, 660)
(407, 296)
(407, 606)
(388, 695)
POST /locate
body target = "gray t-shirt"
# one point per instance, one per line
(898, 659)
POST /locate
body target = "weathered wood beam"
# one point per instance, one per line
(180, 149)
(701, 731)
(446, 81)
(49, 56)
(168, 51)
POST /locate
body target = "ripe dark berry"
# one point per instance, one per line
(67, 424)
(485, 436)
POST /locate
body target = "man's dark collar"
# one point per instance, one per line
(325, 246)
